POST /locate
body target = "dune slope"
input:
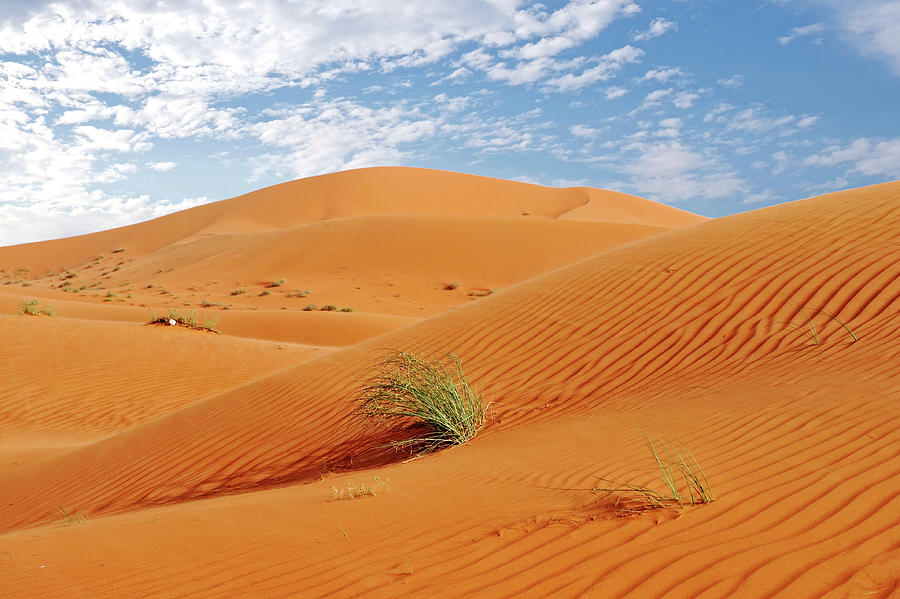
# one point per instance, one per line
(734, 335)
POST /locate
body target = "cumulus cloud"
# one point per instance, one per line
(805, 31)
(877, 158)
(607, 66)
(671, 172)
(658, 27)
(161, 167)
(662, 74)
(733, 82)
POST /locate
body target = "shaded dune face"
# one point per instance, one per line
(765, 342)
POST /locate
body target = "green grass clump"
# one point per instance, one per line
(31, 308)
(680, 474)
(432, 396)
(278, 283)
(329, 308)
(346, 309)
(309, 307)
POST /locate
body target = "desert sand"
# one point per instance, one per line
(159, 461)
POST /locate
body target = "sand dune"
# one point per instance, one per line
(733, 335)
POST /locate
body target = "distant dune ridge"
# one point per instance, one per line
(204, 464)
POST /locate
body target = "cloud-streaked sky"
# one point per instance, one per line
(115, 112)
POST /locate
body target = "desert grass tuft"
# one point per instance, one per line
(683, 480)
(352, 490)
(433, 396)
(70, 519)
(808, 324)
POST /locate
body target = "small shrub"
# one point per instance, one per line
(431, 395)
(309, 307)
(278, 283)
(329, 308)
(264, 293)
(238, 292)
(451, 286)
(118, 250)
(346, 309)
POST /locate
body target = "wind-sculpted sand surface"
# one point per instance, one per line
(161, 461)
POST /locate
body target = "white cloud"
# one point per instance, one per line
(662, 74)
(782, 161)
(755, 120)
(658, 27)
(669, 171)
(767, 196)
(160, 167)
(584, 131)
(881, 158)
(798, 32)
(608, 65)
(337, 135)
(871, 26)
(684, 99)
(614, 92)
(733, 82)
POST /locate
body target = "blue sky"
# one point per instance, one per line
(113, 113)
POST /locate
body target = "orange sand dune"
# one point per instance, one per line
(385, 190)
(705, 333)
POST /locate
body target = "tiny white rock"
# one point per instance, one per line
(172, 321)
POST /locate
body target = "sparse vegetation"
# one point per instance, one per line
(264, 293)
(451, 286)
(70, 520)
(810, 327)
(681, 475)
(432, 396)
(329, 308)
(31, 308)
(278, 283)
(309, 307)
(346, 309)
(189, 320)
(363, 490)
(238, 292)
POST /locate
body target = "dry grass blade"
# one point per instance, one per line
(684, 480)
